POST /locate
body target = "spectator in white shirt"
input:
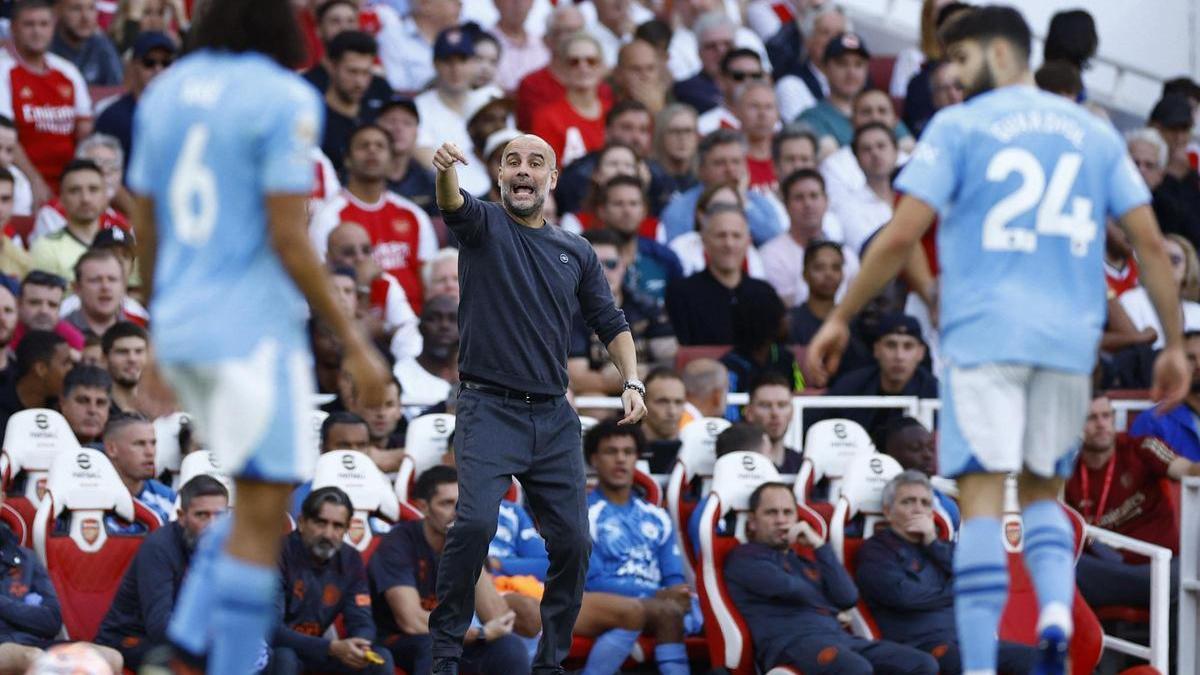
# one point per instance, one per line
(613, 27)
(783, 257)
(521, 53)
(841, 171)
(684, 50)
(408, 60)
(863, 211)
(1186, 269)
(799, 92)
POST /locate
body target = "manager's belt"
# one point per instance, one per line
(505, 392)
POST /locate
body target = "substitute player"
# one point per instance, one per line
(222, 167)
(1023, 182)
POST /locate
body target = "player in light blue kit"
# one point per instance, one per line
(1023, 182)
(222, 170)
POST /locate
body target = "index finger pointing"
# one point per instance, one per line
(459, 155)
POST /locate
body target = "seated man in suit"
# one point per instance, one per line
(906, 577)
(790, 601)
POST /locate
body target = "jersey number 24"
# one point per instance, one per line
(1052, 218)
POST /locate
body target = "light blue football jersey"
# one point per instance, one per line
(1023, 182)
(215, 135)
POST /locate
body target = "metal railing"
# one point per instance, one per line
(1156, 653)
(1188, 637)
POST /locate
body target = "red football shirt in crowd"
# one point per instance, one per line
(1124, 495)
(45, 107)
(570, 134)
(540, 88)
(1120, 281)
(762, 173)
(400, 231)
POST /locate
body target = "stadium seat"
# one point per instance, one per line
(202, 462)
(425, 441)
(1019, 622)
(735, 477)
(32, 440)
(84, 560)
(318, 419)
(828, 446)
(168, 456)
(697, 455)
(586, 422)
(15, 523)
(369, 492)
(861, 498)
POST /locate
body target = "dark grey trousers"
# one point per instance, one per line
(495, 439)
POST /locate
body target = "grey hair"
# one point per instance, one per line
(719, 208)
(711, 20)
(811, 17)
(578, 36)
(447, 253)
(101, 141)
(703, 376)
(747, 87)
(1150, 136)
(909, 477)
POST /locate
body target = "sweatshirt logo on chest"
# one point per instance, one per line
(562, 257)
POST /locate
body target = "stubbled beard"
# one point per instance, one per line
(982, 84)
(521, 211)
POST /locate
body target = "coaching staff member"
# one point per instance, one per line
(521, 281)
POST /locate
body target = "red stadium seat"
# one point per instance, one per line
(425, 441)
(861, 498)
(697, 455)
(14, 521)
(734, 478)
(1019, 622)
(32, 440)
(829, 446)
(369, 492)
(85, 561)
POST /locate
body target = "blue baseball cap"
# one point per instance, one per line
(151, 40)
(455, 41)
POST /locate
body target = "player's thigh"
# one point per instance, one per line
(1057, 408)
(253, 411)
(528, 614)
(983, 418)
(602, 612)
(15, 658)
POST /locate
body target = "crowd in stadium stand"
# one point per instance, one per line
(729, 162)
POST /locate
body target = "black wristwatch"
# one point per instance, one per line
(635, 384)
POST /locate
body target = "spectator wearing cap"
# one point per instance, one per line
(100, 285)
(738, 67)
(408, 59)
(14, 260)
(39, 307)
(323, 579)
(574, 124)
(485, 116)
(129, 442)
(78, 39)
(899, 351)
(845, 61)
(587, 361)
(86, 398)
(1179, 192)
(401, 233)
(629, 123)
(798, 53)
(443, 109)
(521, 52)
(84, 201)
(333, 19)
(43, 361)
(153, 52)
(493, 153)
(136, 621)
(722, 161)
(351, 55)
(701, 305)
(807, 205)
(407, 176)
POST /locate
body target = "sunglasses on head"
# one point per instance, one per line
(151, 62)
(741, 75)
(576, 61)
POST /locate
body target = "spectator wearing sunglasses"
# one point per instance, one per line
(588, 366)
(152, 53)
(573, 126)
(738, 67)
(846, 62)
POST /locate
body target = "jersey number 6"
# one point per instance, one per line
(1052, 219)
(193, 190)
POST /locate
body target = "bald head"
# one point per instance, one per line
(527, 175)
(706, 381)
(348, 245)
